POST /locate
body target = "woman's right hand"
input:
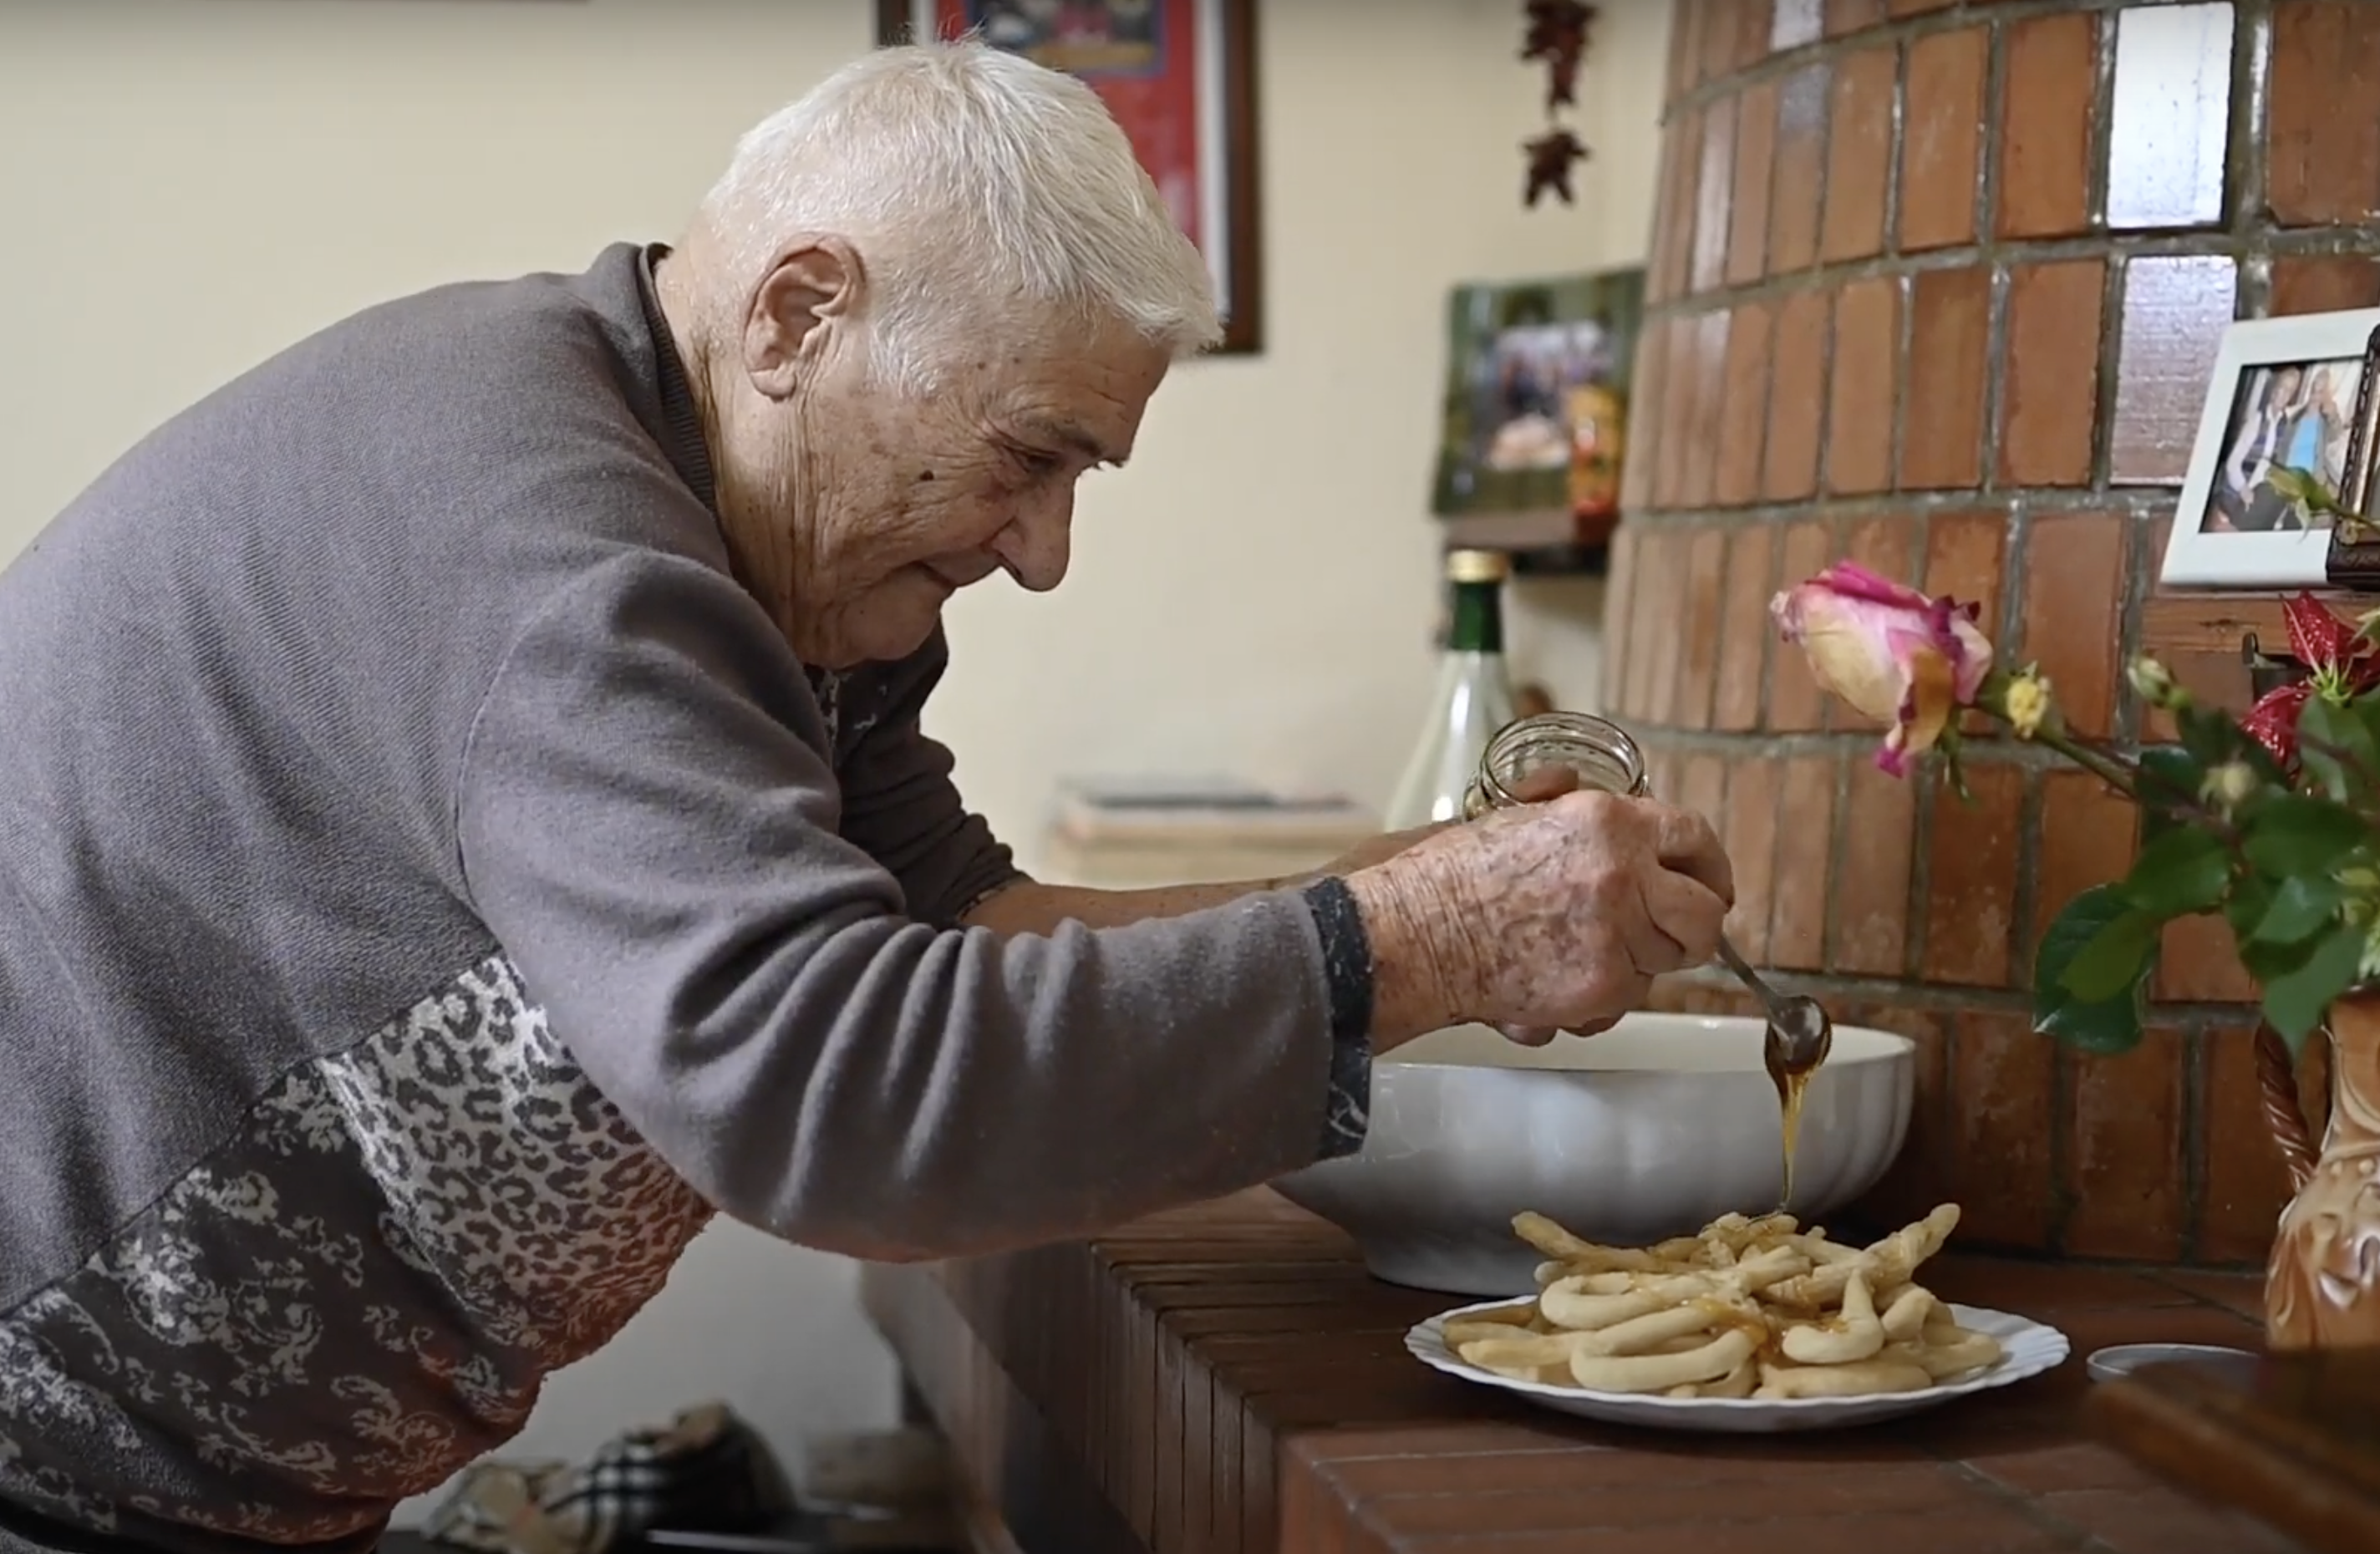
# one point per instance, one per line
(1554, 915)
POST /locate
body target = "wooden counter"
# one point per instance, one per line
(2297, 1445)
(1228, 1378)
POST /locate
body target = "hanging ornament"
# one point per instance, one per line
(1555, 35)
(1551, 156)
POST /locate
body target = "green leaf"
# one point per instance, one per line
(2113, 959)
(2268, 963)
(2103, 1025)
(2183, 873)
(2169, 778)
(2302, 906)
(2210, 737)
(2296, 833)
(2336, 749)
(2365, 711)
(2295, 1003)
(2107, 1029)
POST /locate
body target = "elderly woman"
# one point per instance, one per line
(465, 823)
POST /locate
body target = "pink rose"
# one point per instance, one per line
(1898, 656)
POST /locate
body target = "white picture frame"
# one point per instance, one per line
(2282, 391)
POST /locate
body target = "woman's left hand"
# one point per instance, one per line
(1547, 781)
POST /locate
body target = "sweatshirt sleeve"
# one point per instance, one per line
(649, 836)
(901, 807)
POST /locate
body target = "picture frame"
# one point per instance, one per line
(2284, 406)
(1180, 76)
(1534, 409)
(2354, 558)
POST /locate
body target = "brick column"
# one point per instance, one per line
(1936, 287)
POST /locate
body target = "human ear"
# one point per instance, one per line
(811, 282)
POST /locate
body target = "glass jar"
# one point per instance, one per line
(1605, 758)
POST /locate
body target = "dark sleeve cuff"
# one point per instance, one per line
(1347, 976)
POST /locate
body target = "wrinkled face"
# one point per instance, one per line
(878, 505)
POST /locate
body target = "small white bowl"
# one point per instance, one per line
(1653, 1129)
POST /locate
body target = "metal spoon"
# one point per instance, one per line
(1800, 1035)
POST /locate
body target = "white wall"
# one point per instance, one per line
(188, 184)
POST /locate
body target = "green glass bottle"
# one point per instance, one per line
(1473, 699)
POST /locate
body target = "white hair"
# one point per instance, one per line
(971, 180)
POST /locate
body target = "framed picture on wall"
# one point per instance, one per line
(2275, 454)
(1180, 76)
(1534, 410)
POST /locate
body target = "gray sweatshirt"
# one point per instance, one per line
(431, 889)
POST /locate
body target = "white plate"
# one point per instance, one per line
(2029, 1348)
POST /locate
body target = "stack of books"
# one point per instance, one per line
(1131, 834)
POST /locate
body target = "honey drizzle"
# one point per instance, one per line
(1793, 1085)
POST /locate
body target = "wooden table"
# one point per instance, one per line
(1228, 1378)
(2298, 1446)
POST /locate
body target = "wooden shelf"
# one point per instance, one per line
(1549, 540)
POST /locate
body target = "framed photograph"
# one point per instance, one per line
(2275, 454)
(1536, 402)
(2354, 559)
(1180, 76)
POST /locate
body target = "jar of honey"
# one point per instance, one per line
(1603, 754)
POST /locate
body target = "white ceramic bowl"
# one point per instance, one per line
(1653, 1129)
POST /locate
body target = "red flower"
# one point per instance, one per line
(2341, 663)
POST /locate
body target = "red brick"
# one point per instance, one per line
(1859, 151)
(2049, 408)
(1644, 455)
(1864, 392)
(1750, 836)
(1620, 592)
(2126, 1152)
(1942, 138)
(2244, 1183)
(1681, 372)
(1673, 251)
(1797, 186)
(1714, 191)
(2199, 963)
(1795, 703)
(1949, 356)
(1756, 158)
(1965, 555)
(2003, 1079)
(1971, 889)
(2052, 71)
(1709, 346)
(1805, 831)
(1853, 15)
(1690, 706)
(2087, 840)
(1745, 629)
(2073, 583)
(1685, 47)
(2326, 284)
(1789, 469)
(1744, 414)
(1872, 892)
(1668, 603)
(2323, 167)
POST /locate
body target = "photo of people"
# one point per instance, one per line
(1525, 391)
(1535, 401)
(1082, 37)
(2290, 416)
